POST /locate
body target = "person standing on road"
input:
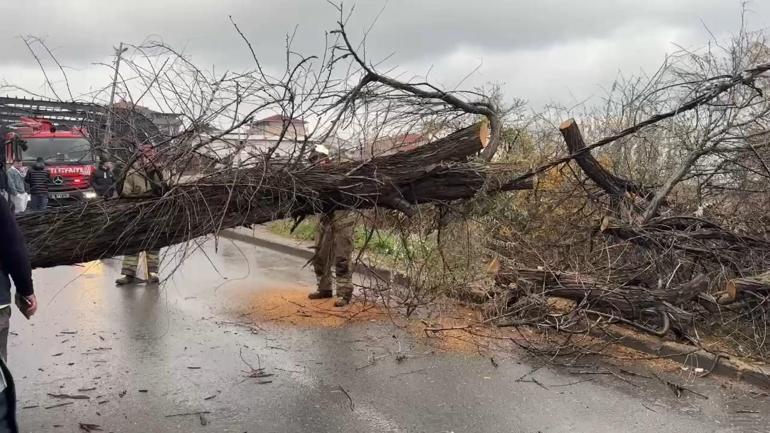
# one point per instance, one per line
(143, 179)
(16, 189)
(104, 179)
(38, 179)
(14, 265)
(333, 246)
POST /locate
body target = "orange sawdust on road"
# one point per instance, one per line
(291, 306)
(452, 328)
(455, 328)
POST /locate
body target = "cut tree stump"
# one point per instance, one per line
(735, 287)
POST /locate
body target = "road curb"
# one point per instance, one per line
(690, 356)
(303, 251)
(286, 248)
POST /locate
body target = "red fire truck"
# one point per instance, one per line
(68, 155)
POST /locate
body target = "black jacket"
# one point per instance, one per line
(14, 260)
(104, 182)
(3, 178)
(37, 178)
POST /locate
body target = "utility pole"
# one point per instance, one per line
(108, 127)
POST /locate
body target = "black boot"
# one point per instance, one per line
(125, 279)
(343, 301)
(320, 294)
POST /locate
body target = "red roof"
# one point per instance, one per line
(409, 138)
(124, 104)
(279, 119)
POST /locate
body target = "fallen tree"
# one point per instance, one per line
(629, 303)
(659, 257)
(685, 139)
(437, 172)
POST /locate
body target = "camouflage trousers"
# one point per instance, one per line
(130, 263)
(334, 248)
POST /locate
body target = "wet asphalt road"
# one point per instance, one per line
(142, 354)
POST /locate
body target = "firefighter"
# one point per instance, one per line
(143, 179)
(104, 179)
(333, 248)
(38, 179)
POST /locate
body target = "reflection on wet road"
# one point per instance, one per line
(142, 359)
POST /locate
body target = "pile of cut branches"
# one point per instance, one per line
(675, 252)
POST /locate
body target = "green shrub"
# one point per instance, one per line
(306, 230)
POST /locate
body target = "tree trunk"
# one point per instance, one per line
(613, 185)
(624, 301)
(693, 236)
(435, 172)
(735, 287)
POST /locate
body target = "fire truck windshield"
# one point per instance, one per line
(58, 150)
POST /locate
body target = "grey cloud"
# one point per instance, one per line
(418, 33)
(84, 30)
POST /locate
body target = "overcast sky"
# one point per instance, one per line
(540, 50)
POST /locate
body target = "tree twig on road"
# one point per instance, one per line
(350, 399)
(70, 396)
(200, 412)
(60, 405)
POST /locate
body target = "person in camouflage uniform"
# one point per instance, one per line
(143, 179)
(333, 248)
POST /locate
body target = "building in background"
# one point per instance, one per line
(167, 124)
(246, 144)
(271, 128)
(284, 134)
